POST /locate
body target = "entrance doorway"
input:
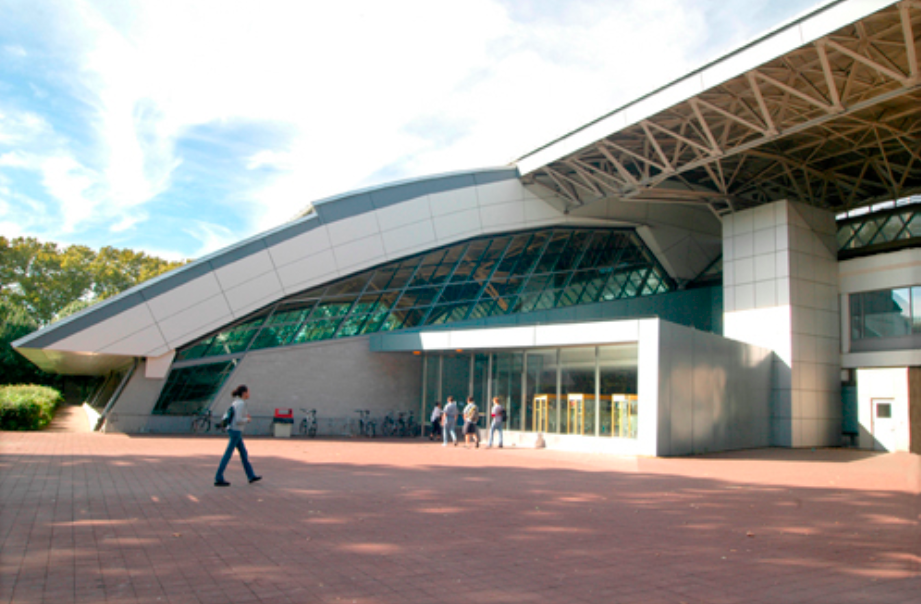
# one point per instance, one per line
(884, 435)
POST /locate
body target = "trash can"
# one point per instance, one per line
(283, 422)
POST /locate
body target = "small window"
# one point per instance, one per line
(884, 410)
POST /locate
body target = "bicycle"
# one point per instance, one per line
(201, 422)
(389, 426)
(365, 425)
(413, 428)
(308, 425)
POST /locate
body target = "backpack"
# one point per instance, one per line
(502, 414)
(227, 419)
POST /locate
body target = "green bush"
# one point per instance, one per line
(27, 407)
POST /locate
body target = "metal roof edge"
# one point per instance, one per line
(105, 309)
(547, 153)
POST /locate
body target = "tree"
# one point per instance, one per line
(41, 278)
(15, 323)
(44, 279)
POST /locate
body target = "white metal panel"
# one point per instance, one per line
(455, 226)
(502, 217)
(316, 268)
(765, 294)
(157, 367)
(608, 332)
(359, 254)
(500, 192)
(141, 343)
(352, 229)
(838, 16)
(435, 340)
(410, 238)
(537, 212)
(300, 247)
(405, 213)
(247, 269)
(881, 271)
(648, 385)
(255, 292)
(209, 312)
(502, 337)
(451, 202)
(749, 58)
(105, 333)
(663, 99)
(188, 294)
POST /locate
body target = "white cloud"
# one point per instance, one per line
(15, 50)
(339, 94)
(210, 237)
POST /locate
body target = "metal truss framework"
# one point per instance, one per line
(835, 123)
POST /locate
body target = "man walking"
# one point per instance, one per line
(449, 421)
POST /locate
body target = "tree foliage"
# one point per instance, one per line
(44, 279)
(15, 323)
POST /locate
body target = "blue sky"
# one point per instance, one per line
(180, 127)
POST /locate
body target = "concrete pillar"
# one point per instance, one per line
(780, 276)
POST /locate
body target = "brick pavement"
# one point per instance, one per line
(88, 517)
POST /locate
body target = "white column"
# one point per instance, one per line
(780, 276)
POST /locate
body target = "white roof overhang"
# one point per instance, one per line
(825, 110)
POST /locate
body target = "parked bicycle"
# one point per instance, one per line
(388, 426)
(202, 421)
(366, 426)
(308, 425)
(412, 428)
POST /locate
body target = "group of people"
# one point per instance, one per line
(444, 422)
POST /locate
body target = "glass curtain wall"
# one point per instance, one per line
(455, 377)
(430, 387)
(506, 384)
(583, 391)
(485, 277)
(577, 385)
(889, 313)
(480, 391)
(618, 401)
(541, 395)
(190, 389)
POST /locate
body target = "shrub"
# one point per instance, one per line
(27, 407)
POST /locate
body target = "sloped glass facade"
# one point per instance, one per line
(484, 277)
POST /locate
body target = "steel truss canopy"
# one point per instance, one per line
(825, 110)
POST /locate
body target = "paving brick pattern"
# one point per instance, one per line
(88, 517)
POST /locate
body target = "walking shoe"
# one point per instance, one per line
(221, 483)
(255, 479)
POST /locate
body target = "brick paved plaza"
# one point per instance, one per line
(104, 518)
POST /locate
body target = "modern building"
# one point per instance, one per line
(730, 261)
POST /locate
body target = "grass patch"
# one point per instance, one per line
(27, 407)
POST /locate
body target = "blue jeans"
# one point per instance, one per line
(495, 427)
(236, 442)
(449, 428)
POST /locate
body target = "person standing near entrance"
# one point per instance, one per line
(471, 417)
(436, 421)
(235, 431)
(449, 421)
(498, 419)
